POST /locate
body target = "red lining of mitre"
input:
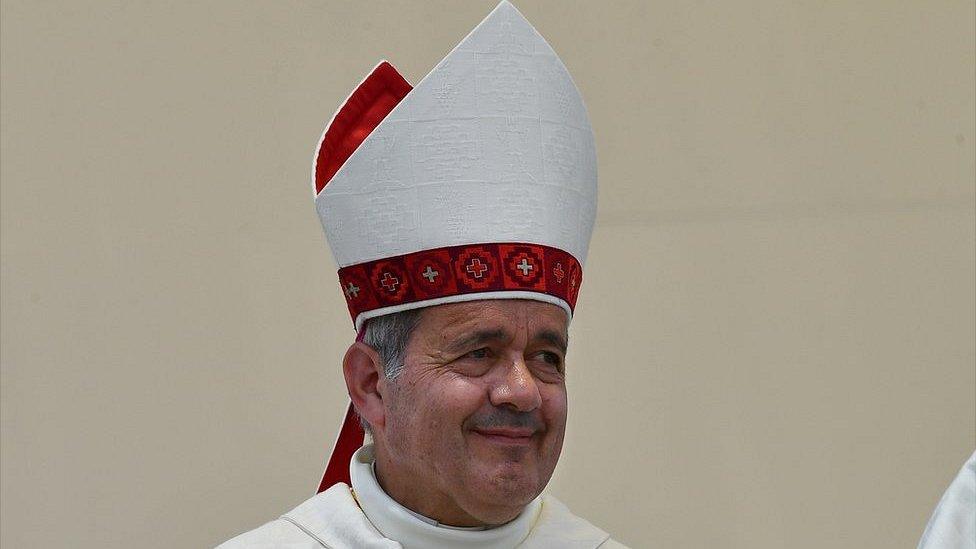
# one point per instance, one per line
(350, 439)
(366, 107)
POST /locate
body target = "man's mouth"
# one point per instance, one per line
(506, 435)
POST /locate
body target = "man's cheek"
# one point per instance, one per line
(554, 406)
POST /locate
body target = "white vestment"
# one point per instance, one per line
(953, 523)
(365, 517)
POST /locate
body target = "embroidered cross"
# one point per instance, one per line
(559, 272)
(430, 274)
(389, 282)
(352, 291)
(476, 267)
(525, 267)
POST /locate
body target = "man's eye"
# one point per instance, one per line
(552, 358)
(483, 352)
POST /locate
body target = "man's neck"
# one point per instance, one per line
(415, 530)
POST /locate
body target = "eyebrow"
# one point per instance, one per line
(553, 338)
(481, 336)
(475, 338)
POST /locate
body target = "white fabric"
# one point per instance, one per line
(335, 520)
(413, 532)
(457, 298)
(493, 145)
(953, 523)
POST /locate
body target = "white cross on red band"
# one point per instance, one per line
(456, 270)
(389, 282)
(476, 268)
(430, 274)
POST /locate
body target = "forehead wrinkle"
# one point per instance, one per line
(476, 337)
(448, 326)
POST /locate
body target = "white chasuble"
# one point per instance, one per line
(334, 519)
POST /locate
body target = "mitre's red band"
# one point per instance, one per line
(459, 270)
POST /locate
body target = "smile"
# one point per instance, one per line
(506, 436)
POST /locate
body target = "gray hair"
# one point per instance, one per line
(388, 335)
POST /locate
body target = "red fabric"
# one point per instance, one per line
(351, 437)
(457, 270)
(366, 107)
(362, 112)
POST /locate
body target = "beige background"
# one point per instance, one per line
(774, 347)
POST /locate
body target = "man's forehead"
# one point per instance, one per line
(495, 314)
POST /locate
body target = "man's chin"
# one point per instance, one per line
(490, 511)
(504, 487)
(506, 477)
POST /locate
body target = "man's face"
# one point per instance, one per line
(479, 412)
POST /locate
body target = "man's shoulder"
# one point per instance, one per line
(330, 519)
(557, 524)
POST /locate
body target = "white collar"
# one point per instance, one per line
(414, 531)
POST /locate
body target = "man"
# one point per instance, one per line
(460, 213)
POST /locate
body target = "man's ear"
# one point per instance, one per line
(363, 369)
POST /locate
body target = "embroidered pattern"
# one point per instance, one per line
(457, 270)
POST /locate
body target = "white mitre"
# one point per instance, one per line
(478, 183)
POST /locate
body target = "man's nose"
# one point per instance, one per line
(517, 388)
